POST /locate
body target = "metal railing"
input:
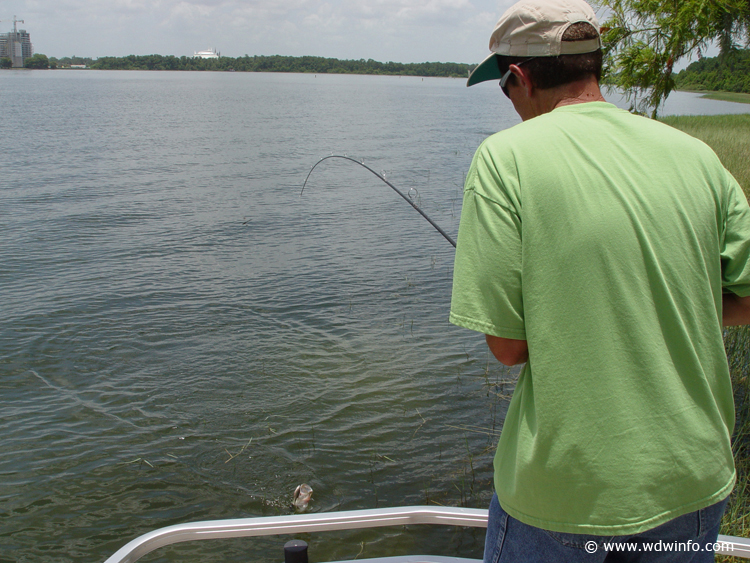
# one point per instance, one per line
(332, 521)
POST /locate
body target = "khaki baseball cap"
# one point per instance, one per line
(534, 28)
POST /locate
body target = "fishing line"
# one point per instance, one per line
(394, 188)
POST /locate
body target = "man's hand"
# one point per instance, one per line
(736, 310)
(507, 350)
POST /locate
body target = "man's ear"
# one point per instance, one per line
(524, 78)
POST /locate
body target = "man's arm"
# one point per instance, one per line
(736, 310)
(508, 351)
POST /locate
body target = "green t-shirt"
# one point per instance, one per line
(605, 240)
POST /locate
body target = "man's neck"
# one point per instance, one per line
(579, 92)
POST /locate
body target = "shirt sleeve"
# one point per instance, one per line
(735, 251)
(487, 284)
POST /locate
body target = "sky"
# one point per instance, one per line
(406, 31)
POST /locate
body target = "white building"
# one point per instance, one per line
(207, 54)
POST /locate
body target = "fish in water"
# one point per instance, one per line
(302, 495)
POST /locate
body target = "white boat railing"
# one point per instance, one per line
(332, 521)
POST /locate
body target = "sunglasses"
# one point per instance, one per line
(506, 76)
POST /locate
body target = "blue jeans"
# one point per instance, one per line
(686, 539)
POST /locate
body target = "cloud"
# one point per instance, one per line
(398, 30)
(191, 11)
(269, 10)
(407, 11)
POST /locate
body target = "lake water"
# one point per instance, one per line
(186, 337)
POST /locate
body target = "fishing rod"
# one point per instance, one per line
(394, 188)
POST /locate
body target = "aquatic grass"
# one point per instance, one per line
(736, 521)
(729, 136)
(231, 457)
(420, 425)
(736, 97)
(140, 461)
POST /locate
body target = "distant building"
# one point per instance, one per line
(16, 45)
(207, 54)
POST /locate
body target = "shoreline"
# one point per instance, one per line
(735, 97)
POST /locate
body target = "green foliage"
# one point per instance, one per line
(643, 39)
(5, 62)
(729, 72)
(278, 63)
(65, 62)
(37, 61)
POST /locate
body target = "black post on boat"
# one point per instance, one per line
(295, 551)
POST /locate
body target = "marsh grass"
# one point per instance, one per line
(729, 136)
(736, 97)
(736, 520)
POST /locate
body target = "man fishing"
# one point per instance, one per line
(606, 251)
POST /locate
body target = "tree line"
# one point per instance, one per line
(37, 61)
(729, 72)
(275, 63)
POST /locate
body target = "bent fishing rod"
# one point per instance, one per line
(394, 188)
